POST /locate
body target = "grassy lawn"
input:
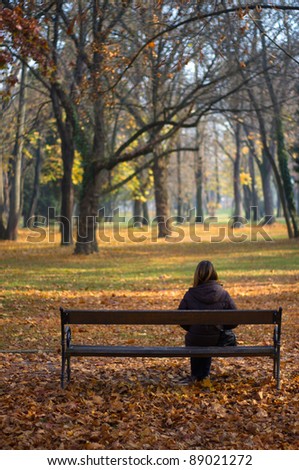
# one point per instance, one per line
(110, 401)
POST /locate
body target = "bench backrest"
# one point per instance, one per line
(170, 317)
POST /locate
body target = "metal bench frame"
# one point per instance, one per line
(168, 317)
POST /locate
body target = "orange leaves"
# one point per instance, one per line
(123, 403)
(221, 39)
(136, 404)
(70, 29)
(241, 13)
(22, 34)
(151, 45)
(98, 400)
(179, 66)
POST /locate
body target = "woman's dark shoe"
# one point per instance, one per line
(204, 382)
(188, 380)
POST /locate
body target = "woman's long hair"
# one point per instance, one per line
(204, 272)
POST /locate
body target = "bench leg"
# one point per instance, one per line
(276, 340)
(62, 370)
(68, 368)
(278, 372)
(275, 367)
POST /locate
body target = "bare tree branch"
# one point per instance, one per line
(245, 8)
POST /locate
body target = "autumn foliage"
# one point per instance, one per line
(115, 403)
(21, 37)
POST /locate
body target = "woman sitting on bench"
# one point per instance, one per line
(206, 294)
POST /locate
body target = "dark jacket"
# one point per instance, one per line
(207, 296)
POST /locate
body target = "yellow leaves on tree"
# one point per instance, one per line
(140, 185)
(245, 178)
(53, 166)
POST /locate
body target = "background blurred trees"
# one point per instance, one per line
(166, 105)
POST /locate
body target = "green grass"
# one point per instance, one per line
(116, 399)
(132, 266)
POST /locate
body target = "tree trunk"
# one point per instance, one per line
(266, 173)
(199, 201)
(2, 226)
(137, 212)
(66, 133)
(86, 242)
(285, 173)
(280, 187)
(67, 196)
(93, 181)
(160, 171)
(145, 213)
(199, 179)
(267, 154)
(86, 230)
(36, 187)
(278, 206)
(247, 200)
(254, 196)
(281, 148)
(218, 195)
(237, 183)
(179, 181)
(15, 191)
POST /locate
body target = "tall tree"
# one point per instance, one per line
(198, 163)
(36, 184)
(283, 156)
(17, 157)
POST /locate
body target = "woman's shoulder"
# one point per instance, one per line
(189, 292)
(223, 289)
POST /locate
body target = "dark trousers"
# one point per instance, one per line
(200, 366)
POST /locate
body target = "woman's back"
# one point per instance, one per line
(206, 294)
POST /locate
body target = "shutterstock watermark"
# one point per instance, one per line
(137, 229)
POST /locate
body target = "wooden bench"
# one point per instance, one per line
(168, 317)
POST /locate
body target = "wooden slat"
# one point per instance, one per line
(147, 351)
(169, 317)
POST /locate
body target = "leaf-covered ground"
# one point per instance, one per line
(115, 403)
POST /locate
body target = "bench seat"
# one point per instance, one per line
(167, 317)
(168, 351)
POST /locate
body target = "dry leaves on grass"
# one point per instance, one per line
(137, 403)
(115, 403)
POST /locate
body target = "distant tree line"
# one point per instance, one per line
(100, 96)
